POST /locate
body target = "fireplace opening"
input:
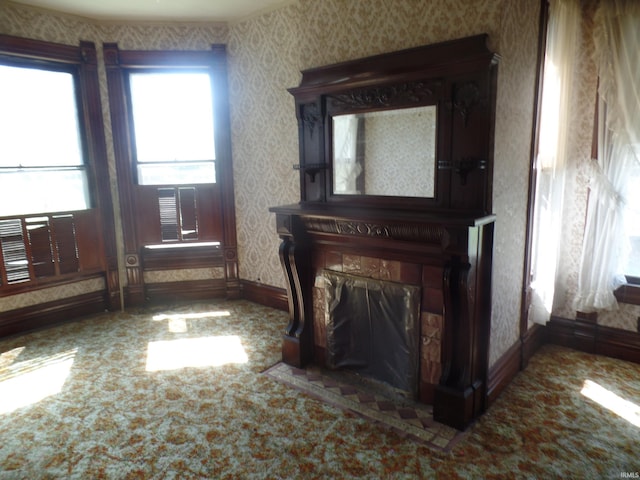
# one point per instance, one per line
(373, 329)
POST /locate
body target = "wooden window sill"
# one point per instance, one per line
(628, 293)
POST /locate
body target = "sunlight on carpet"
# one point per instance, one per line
(609, 400)
(195, 352)
(177, 322)
(26, 383)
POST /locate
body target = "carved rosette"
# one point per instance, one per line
(465, 98)
(310, 117)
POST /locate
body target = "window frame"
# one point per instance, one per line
(94, 228)
(74, 69)
(139, 211)
(127, 72)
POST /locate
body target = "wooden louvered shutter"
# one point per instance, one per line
(65, 243)
(14, 252)
(40, 243)
(188, 214)
(168, 214)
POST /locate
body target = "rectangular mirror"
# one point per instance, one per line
(386, 153)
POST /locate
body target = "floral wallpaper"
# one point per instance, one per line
(40, 24)
(266, 54)
(44, 295)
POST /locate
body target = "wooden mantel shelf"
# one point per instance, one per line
(441, 242)
(457, 247)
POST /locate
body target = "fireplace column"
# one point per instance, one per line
(297, 344)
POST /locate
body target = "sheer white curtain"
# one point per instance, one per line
(605, 245)
(562, 38)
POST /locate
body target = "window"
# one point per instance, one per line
(56, 216)
(172, 117)
(172, 139)
(41, 152)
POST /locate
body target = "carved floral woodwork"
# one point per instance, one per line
(441, 244)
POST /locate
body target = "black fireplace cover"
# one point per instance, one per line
(372, 328)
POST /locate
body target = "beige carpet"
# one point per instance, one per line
(179, 393)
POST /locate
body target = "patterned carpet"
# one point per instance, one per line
(179, 393)
(411, 419)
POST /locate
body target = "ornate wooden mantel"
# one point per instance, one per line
(441, 243)
(459, 247)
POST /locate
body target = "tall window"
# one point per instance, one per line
(172, 139)
(552, 153)
(172, 116)
(42, 166)
(607, 254)
(56, 217)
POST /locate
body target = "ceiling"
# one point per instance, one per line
(159, 10)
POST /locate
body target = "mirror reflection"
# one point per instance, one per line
(390, 153)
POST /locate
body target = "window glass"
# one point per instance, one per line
(41, 160)
(173, 126)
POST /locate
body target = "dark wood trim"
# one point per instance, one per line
(191, 290)
(513, 360)
(166, 58)
(40, 49)
(81, 60)
(219, 215)
(628, 293)
(577, 334)
(99, 168)
(588, 336)
(42, 283)
(50, 313)
(134, 289)
(535, 338)
(265, 295)
(180, 258)
(218, 58)
(618, 343)
(503, 371)
(533, 153)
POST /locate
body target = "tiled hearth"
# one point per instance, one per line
(410, 419)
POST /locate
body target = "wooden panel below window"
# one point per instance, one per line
(42, 249)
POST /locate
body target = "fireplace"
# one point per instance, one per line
(395, 281)
(372, 328)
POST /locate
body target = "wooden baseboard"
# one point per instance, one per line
(588, 336)
(190, 290)
(265, 295)
(503, 371)
(50, 313)
(515, 359)
(535, 338)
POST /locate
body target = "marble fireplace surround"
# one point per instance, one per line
(448, 257)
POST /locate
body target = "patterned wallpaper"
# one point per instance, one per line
(266, 54)
(44, 295)
(264, 61)
(40, 24)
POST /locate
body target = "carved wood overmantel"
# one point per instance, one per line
(441, 242)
